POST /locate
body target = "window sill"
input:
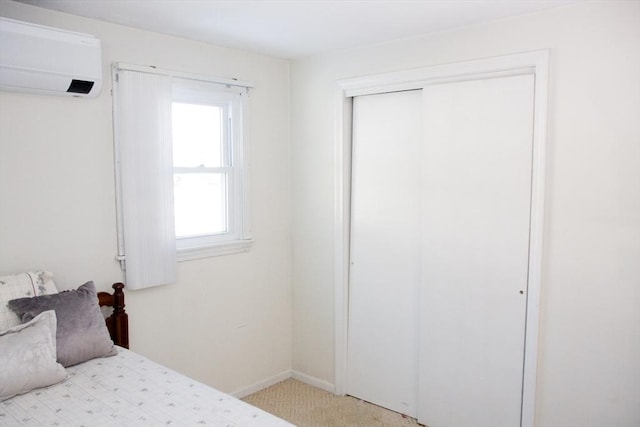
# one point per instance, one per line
(220, 249)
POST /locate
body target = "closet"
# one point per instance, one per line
(442, 183)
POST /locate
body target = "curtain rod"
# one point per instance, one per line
(152, 69)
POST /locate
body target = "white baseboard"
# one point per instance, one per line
(316, 382)
(245, 391)
(285, 375)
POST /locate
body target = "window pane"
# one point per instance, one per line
(200, 204)
(197, 135)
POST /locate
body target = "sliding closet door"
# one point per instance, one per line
(476, 197)
(385, 254)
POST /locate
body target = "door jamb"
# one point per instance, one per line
(534, 62)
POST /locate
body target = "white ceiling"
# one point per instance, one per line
(297, 28)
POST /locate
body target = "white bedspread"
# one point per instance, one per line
(130, 390)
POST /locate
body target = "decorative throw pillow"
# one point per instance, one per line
(28, 356)
(30, 284)
(82, 333)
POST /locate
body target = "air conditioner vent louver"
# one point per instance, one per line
(45, 60)
(80, 86)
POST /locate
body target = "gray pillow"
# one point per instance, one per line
(28, 356)
(81, 334)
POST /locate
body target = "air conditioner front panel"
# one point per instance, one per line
(31, 81)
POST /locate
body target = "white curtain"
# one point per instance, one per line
(142, 128)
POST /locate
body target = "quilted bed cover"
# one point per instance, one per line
(130, 390)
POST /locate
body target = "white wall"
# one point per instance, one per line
(227, 322)
(589, 362)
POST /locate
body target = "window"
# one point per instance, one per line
(180, 175)
(207, 169)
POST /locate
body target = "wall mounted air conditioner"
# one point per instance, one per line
(45, 60)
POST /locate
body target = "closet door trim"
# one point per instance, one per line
(536, 63)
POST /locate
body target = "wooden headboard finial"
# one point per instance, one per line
(118, 297)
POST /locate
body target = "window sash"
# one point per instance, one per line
(224, 210)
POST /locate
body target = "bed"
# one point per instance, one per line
(118, 388)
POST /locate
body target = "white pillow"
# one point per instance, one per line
(30, 284)
(28, 356)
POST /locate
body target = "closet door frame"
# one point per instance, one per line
(535, 63)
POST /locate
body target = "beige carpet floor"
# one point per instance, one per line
(307, 406)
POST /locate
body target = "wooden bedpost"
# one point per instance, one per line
(118, 322)
(119, 317)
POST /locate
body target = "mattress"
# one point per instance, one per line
(130, 390)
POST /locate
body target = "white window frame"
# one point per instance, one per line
(232, 99)
(239, 214)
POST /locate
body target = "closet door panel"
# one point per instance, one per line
(476, 196)
(385, 254)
